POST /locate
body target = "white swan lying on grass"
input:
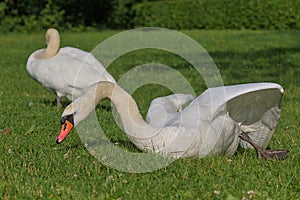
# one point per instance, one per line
(211, 124)
(66, 71)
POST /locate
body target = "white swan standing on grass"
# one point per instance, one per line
(66, 71)
(206, 126)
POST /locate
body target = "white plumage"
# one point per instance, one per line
(222, 113)
(65, 71)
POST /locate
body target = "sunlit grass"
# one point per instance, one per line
(32, 165)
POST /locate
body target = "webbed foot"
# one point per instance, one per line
(263, 153)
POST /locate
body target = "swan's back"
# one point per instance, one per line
(218, 115)
(70, 72)
(162, 110)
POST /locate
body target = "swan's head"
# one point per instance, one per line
(73, 114)
(67, 123)
(81, 107)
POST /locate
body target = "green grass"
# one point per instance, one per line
(33, 166)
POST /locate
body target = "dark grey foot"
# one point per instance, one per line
(263, 153)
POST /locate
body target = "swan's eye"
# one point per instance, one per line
(63, 120)
(70, 118)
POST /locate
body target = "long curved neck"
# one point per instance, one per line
(53, 41)
(134, 124)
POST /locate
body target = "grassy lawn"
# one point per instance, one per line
(33, 166)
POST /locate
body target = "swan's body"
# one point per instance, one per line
(65, 71)
(209, 125)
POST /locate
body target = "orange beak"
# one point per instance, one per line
(65, 130)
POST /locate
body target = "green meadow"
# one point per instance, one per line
(33, 166)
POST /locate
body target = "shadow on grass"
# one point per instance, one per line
(52, 102)
(66, 102)
(268, 65)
